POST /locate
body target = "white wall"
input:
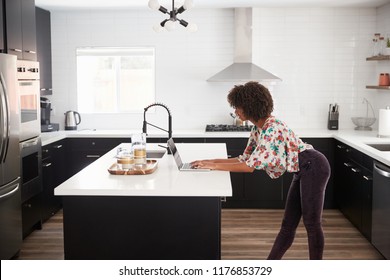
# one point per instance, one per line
(382, 97)
(319, 54)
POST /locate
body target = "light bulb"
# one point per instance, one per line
(192, 27)
(158, 28)
(153, 4)
(170, 25)
(188, 4)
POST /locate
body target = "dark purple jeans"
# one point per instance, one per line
(305, 199)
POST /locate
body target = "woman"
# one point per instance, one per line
(275, 148)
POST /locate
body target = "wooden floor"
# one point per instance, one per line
(246, 234)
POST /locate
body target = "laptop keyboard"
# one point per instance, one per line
(186, 165)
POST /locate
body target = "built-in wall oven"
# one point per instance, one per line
(29, 99)
(30, 144)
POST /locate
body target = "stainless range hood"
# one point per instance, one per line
(243, 70)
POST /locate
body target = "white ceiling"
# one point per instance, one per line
(143, 4)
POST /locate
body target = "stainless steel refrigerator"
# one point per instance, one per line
(10, 197)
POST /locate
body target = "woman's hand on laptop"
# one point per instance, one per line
(207, 164)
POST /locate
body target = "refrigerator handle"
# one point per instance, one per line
(10, 192)
(3, 115)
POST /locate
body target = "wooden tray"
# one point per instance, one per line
(151, 166)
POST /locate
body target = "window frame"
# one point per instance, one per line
(117, 53)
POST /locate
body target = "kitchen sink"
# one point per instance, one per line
(155, 153)
(384, 147)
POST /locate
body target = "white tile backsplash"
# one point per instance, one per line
(319, 54)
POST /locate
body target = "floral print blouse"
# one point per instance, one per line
(273, 148)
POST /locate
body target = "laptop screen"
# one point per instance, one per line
(174, 152)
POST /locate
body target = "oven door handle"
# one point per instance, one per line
(30, 143)
(26, 83)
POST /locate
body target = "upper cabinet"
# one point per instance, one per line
(44, 49)
(2, 45)
(20, 28)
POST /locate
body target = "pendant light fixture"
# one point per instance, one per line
(170, 24)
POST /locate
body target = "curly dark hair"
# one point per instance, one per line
(253, 98)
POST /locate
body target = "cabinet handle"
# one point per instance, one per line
(45, 150)
(229, 156)
(16, 50)
(43, 89)
(32, 52)
(223, 199)
(47, 164)
(340, 146)
(92, 156)
(347, 164)
(57, 147)
(368, 178)
(356, 170)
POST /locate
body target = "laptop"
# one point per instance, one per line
(182, 166)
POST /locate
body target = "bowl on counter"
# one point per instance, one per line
(363, 123)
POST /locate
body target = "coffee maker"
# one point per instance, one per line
(46, 125)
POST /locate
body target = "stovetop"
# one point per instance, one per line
(227, 128)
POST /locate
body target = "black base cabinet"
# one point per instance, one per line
(84, 151)
(140, 228)
(353, 185)
(32, 214)
(54, 172)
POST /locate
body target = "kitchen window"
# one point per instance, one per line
(115, 80)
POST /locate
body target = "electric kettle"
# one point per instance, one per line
(72, 119)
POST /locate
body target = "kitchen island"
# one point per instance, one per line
(164, 215)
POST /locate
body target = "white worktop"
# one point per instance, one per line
(167, 180)
(50, 137)
(356, 139)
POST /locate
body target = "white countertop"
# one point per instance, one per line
(359, 141)
(167, 180)
(50, 137)
(356, 139)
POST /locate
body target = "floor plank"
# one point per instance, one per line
(246, 234)
(249, 234)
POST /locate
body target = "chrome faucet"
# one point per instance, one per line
(145, 123)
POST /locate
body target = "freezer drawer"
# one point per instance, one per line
(10, 220)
